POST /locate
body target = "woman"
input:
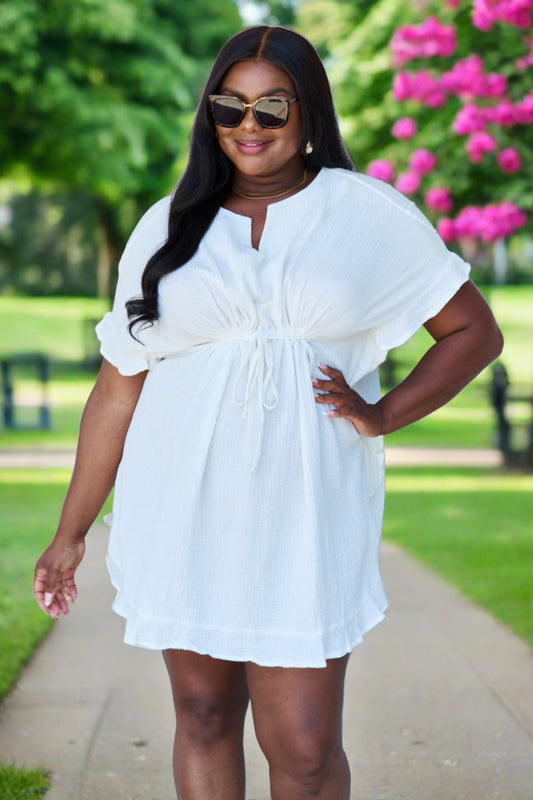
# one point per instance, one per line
(239, 395)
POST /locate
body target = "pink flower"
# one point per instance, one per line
(479, 144)
(523, 110)
(404, 128)
(482, 17)
(419, 86)
(501, 220)
(489, 223)
(512, 12)
(469, 222)
(439, 199)
(495, 85)
(422, 161)
(467, 80)
(510, 218)
(503, 114)
(509, 160)
(446, 229)
(381, 169)
(527, 60)
(470, 119)
(401, 86)
(430, 38)
(408, 182)
(453, 3)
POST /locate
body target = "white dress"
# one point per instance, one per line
(246, 523)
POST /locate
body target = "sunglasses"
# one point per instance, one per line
(270, 112)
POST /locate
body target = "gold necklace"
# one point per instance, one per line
(259, 196)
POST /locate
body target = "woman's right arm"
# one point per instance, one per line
(103, 429)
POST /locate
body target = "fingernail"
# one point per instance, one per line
(48, 597)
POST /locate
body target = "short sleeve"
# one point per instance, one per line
(117, 345)
(414, 273)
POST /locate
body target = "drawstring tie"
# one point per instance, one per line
(258, 368)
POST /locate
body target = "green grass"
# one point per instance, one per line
(31, 502)
(22, 784)
(61, 327)
(475, 528)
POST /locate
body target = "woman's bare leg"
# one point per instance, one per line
(298, 723)
(210, 699)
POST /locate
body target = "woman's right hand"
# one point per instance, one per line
(103, 429)
(53, 583)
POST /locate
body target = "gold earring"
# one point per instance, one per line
(308, 148)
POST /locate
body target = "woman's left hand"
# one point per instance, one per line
(365, 417)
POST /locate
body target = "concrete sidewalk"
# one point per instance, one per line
(439, 702)
(44, 458)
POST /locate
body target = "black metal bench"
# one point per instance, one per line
(38, 363)
(502, 400)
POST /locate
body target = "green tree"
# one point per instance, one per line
(281, 12)
(353, 36)
(97, 95)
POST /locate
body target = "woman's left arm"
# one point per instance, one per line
(467, 339)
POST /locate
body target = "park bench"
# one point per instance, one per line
(12, 404)
(515, 438)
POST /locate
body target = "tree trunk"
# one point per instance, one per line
(110, 246)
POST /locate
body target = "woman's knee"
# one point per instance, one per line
(210, 697)
(207, 719)
(307, 757)
(298, 717)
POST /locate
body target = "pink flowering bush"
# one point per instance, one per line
(509, 160)
(488, 110)
(404, 128)
(381, 169)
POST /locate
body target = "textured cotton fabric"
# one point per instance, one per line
(246, 523)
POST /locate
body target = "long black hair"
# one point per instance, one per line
(206, 181)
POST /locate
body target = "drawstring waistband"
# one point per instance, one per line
(257, 372)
